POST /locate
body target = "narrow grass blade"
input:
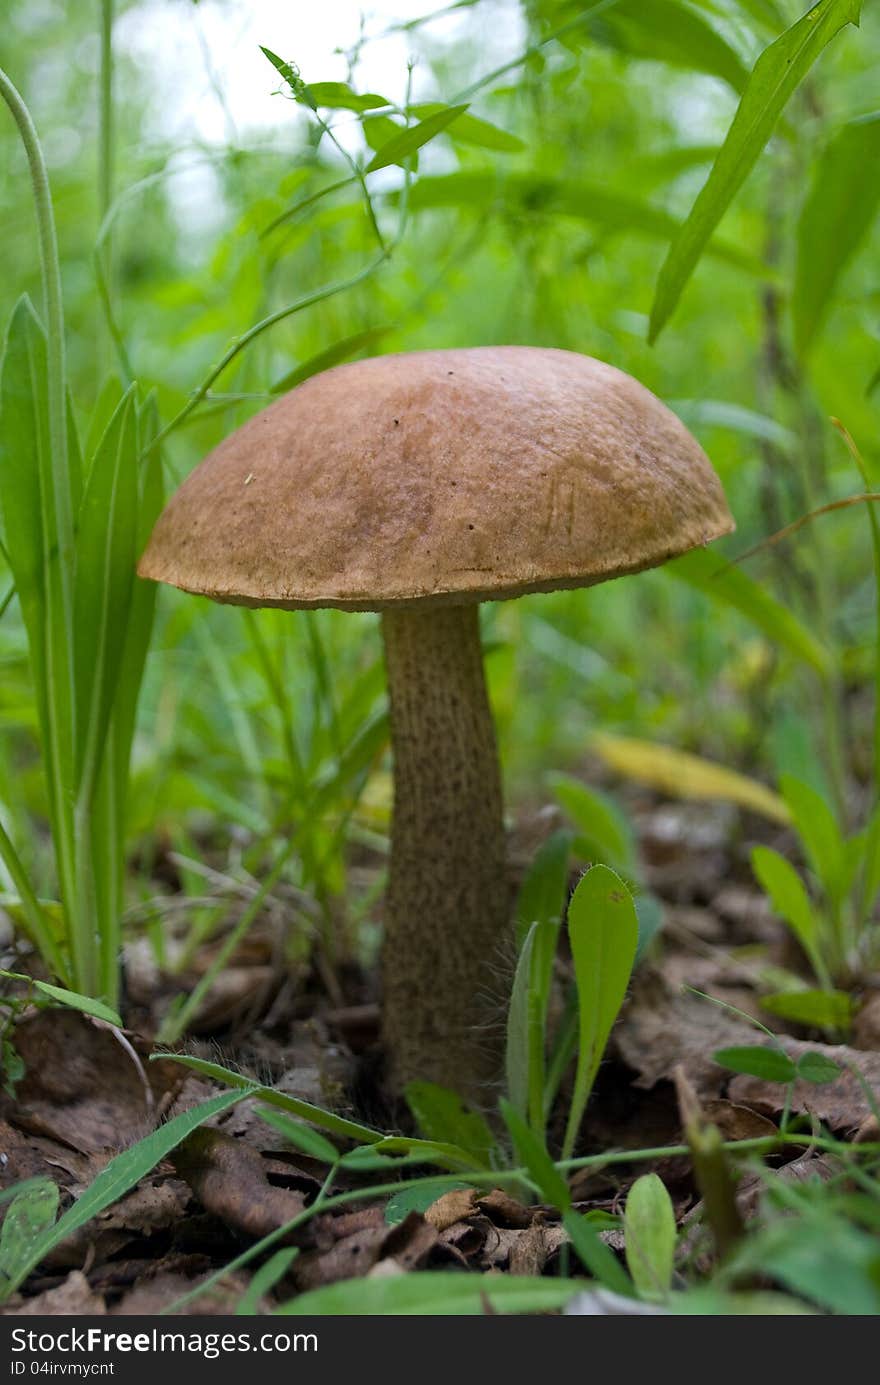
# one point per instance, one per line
(121, 1174)
(778, 72)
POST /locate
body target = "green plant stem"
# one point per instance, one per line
(764, 1145)
(106, 159)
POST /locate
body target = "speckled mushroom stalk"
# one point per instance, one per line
(447, 908)
(419, 485)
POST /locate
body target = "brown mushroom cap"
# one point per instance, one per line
(440, 476)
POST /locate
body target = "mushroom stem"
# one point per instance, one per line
(447, 907)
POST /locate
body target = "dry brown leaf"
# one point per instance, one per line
(230, 1180)
(504, 1210)
(73, 1297)
(451, 1207)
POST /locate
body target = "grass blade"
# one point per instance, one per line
(774, 79)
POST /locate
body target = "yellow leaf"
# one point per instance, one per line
(687, 776)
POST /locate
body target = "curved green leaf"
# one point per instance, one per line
(839, 209)
(774, 78)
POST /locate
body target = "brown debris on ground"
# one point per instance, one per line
(87, 1095)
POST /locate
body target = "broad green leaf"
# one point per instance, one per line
(88, 1006)
(471, 129)
(518, 1027)
(822, 1009)
(686, 776)
(442, 1115)
(603, 932)
(820, 1255)
(379, 129)
(433, 1293)
(670, 32)
(121, 1174)
(839, 209)
(776, 75)
(788, 896)
(406, 142)
(649, 1235)
(815, 1067)
(531, 1152)
(30, 1215)
(605, 834)
(324, 360)
(730, 586)
(758, 1060)
(301, 1137)
(304, 1110)
(592, 1251)
(339, 96)
(542, 896)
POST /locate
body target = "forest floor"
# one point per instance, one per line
(85, 1095)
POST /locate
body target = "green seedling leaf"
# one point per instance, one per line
(433, 1293)
(649, 1232)
(518, 1023)
(758, 1060)
(264, 1281)
(788, 895)
(543, 894)
(96, 1008)
(531, 1151)
(838, 212)
(815, 1067)
(304, 1110)
(121, 1174)
(31, 1214)
(822, 1009)
(605, 835)
(820, 835)
(442, 1116)
(592, 1251)
(603, 932)
(776, 75)
(730, 586)
(418, 1197)
(302, 1137)
(406, 142)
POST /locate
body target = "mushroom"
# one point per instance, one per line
(419, 485)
